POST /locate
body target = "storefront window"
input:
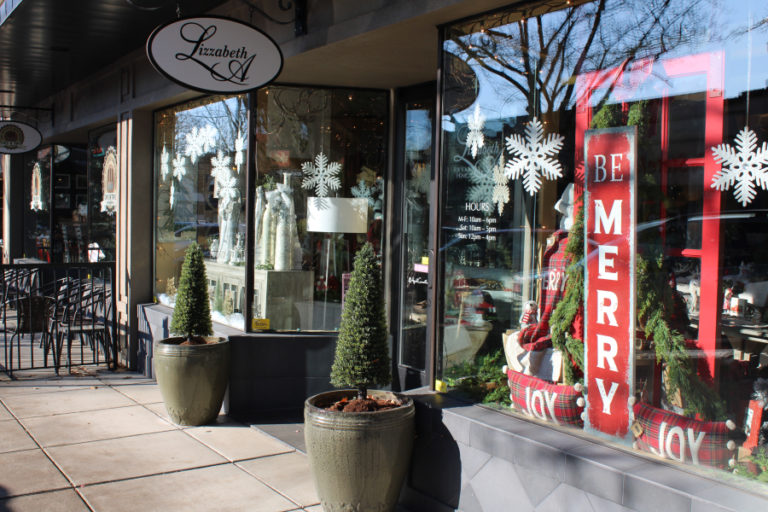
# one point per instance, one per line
(98, 190)
(320, 164)
(603, 222)
(318, 195)
(200, 171)
(55, 211)
(37, 215)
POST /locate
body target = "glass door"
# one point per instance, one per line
(415, 158)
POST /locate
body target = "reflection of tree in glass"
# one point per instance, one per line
(289, 114)
(540, 53)
(222, 122)
(227, 118)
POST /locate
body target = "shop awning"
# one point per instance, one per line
(46, 45)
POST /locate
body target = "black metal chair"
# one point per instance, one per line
(34, 315)
(19, 282)
(85, 315)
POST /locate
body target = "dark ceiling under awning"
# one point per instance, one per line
(46, 45)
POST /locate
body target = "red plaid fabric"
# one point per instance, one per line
(552, 288)
(544, 400)
(672, 436)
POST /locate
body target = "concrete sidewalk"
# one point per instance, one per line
(102, 441)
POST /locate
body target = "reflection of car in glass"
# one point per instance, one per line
(682, 257)
(192, 227)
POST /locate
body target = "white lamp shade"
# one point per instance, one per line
(337, 214)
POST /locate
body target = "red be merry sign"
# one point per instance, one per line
(609, 223)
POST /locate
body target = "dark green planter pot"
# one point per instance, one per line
(192, 379)
(359, 460)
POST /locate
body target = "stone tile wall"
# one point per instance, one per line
(473, 459)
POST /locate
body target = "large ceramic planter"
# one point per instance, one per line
(192, 379)
(359, 460)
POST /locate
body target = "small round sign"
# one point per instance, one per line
(16, 137)
(214, 54)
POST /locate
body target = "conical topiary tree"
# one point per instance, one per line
(362, 352)
(192, 313)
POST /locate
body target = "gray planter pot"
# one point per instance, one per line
(192, 379)
(359, 460)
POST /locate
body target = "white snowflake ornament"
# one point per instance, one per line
(219, 170)
(179, 167)
(228, 190)
(743, 167)
(200, 141)
(172, 195)
(363, 191)
(239, 151)
(480, 176)
(475, 137)
(179, 171)
(534, 156)
(321, 176)
(489, 182)
(164, 158)
(370, 192)
(501, 185)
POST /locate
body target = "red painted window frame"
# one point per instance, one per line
(711, 65)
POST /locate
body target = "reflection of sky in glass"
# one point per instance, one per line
(419, 130)
(224, 116)
(724, 28)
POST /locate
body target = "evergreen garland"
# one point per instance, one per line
(656, 302)
(362, 352)
(609, 114)
(638, 115)
(571, 303)
(192, 312)
(481, 379)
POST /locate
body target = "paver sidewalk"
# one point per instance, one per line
(102, 441)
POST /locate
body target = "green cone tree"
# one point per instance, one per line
(362, 352)
(192, 313)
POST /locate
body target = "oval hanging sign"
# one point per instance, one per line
(214, 54)
(16, 137)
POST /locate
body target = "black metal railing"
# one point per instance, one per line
(57, 315)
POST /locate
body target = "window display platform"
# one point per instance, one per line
(284, 297)
(229, 280)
